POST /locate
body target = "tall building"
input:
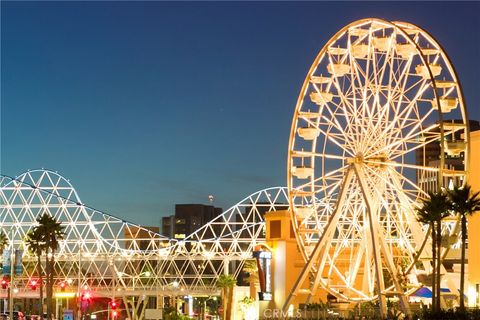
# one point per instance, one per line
(473, 250)
(168, 226)
(187, 219)
(190, 217)
(430, 155)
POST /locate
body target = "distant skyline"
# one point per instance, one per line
(143, 105)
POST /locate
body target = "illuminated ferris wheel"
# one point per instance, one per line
(379, 121)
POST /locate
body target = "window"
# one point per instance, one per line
(275, 229)
(292, 232)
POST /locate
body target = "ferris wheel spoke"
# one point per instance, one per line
(405, 114)
(362, 130)
(394, 197)
(346, 136)
(355, 266)
(336, 175)
(399, 177)
(417, 231)
(400, 78)
(398, 186)
(329, 135)
(375, 233)
(348, 117)
(376, 109)
(407, 138)
(326, 236)
(303, 153)
(329, 124)
(403, 165)
(414, 146)
(402, 208)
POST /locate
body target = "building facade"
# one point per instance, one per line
(187, 219)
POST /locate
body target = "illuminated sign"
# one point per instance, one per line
(7, 261)
(265, 296)
(262, 254)
(264, 261)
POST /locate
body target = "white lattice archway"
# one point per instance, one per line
(108, 254)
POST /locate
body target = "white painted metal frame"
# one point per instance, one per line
(121, 258)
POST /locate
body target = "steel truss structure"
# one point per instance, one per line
(112, 257)
(379, 97)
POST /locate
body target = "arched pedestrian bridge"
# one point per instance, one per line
(111, 256)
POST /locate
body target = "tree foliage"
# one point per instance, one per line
(44, 239)
(226, 282)
(432, 211)
(463, 202)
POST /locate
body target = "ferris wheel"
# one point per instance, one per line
(379, 122)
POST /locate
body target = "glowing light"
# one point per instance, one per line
(65, 294)
(450, 184)
(472, 296)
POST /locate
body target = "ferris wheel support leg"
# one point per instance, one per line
(321, 244)
(417, 232)
(375, 247)
(393, 271)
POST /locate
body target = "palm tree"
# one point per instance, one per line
(250, 267)
(36, 245)
(464, 202)
(442, 204)
(432, 211)
(226, 282)
(3, 241)
(50, 231)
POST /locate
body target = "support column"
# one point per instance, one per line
(321, 244)
(375, 246)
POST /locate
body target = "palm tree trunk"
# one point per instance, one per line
(49, 287)
(462, 264)
(52, 274)
(229, 303)
(439, 264)
(253, 289)
(434, 260)
(40, 279)
(224, 302)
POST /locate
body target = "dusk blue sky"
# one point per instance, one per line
(146, 104)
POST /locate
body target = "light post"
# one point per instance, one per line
(79, 280)
(12, 265)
